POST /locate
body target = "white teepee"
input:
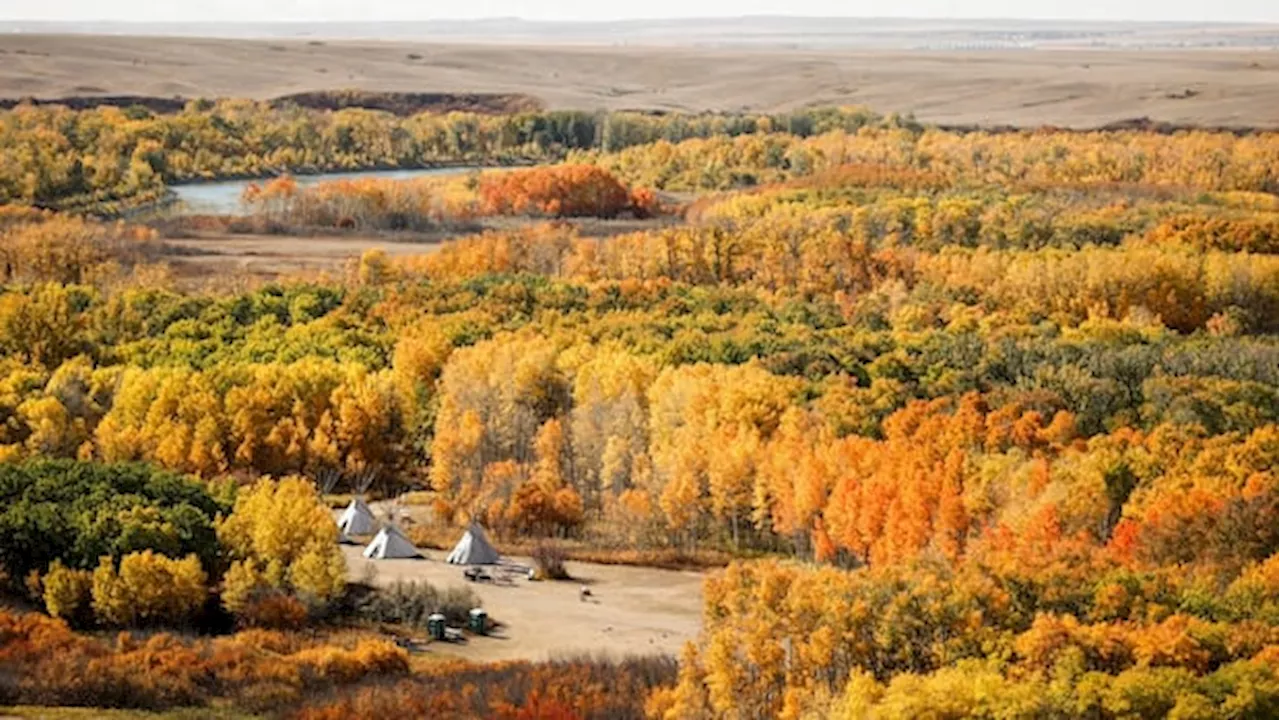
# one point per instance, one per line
(473, 549)
(390, 543)
(357, 519)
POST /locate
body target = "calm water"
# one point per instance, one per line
(223, 198)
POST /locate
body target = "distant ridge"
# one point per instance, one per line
(746, 31)
(397, 103)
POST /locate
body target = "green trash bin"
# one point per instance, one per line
(478, 621)
(435, 626)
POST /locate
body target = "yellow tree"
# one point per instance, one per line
(43, 325)
(695, 408)
(730, 474)
(282, 532)
(67, 592)
(149, 588)
(494, 398)
(608, 422)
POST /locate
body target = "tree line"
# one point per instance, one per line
(106, 159)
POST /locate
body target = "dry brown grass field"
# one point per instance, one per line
(1025, 87)
(209, 256)
(200, 256)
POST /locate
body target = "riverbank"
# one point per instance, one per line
(222, 196)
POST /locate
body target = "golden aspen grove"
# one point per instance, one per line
(956, 423)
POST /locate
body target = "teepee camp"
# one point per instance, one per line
(473, 549)
(389, 544)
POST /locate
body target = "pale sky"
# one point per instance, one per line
(377, 10)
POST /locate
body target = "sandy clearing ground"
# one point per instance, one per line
(1020, 87)
(273, 255)
(632, 610)
(212, 254)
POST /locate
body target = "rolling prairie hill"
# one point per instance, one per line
(1000, 77)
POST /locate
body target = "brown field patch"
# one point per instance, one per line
(1062, 87)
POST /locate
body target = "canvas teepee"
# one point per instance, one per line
(390, 543)
(358, 519)
(473, 549)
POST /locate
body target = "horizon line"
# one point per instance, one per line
(597, 21)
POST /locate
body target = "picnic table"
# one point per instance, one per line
(502, 573)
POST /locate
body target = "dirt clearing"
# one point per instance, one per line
(631, 610)
(270, 256)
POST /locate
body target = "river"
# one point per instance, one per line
(223, 197)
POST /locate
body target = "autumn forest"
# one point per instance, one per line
(957, 423)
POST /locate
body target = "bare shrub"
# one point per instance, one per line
(549, 559)
(411, 603)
